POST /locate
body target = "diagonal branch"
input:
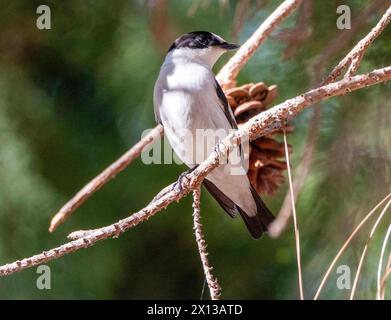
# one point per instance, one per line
(353, 59)
(259, 125)
(226, 76)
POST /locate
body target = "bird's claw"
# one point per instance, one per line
(178, 183)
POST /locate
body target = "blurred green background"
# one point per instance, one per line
(74, 98)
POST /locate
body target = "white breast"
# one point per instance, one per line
(186, 103)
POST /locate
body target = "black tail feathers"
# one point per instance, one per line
(256, 224)
(259, 223)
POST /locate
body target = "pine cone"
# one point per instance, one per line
(266, 164)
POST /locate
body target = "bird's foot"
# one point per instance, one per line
(178, 183)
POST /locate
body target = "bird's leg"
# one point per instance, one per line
(178, 183)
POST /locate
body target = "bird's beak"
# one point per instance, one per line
(228, 46)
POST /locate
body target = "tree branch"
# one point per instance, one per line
(259, 125)
(353, 59)
(225, 77)
(211, 280)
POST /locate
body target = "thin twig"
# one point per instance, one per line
(79, 234)
(358, 272)
(379, 268)
(258, 126)
(226, 76)
(347, 242)
(211, 280)
(296, 228)
(303, 167)
(359, 49)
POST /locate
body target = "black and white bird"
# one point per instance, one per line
(188, 100)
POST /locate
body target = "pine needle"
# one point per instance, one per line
(347, 242)
(297, 233)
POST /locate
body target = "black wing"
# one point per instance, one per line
(227, 111)
(226, 108)
(226, 203)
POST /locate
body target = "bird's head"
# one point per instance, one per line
(201, 45)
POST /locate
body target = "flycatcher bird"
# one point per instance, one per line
(188, 101)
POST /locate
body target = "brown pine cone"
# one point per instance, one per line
(266, 163)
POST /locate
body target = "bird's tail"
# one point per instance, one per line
(257, 224)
